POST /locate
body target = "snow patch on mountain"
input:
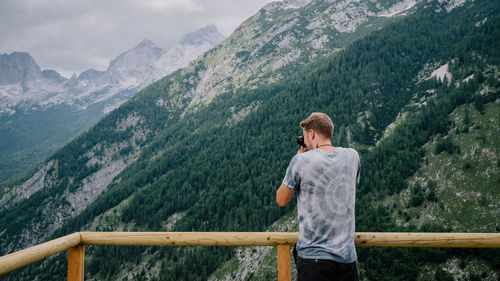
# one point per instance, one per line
(441, 73)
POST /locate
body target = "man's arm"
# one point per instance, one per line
(283, 195)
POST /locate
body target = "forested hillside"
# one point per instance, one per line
(217, 168)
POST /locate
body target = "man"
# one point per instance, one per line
(325, 179)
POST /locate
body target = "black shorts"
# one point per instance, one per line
(319, 270)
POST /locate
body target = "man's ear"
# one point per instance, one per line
(313, 134)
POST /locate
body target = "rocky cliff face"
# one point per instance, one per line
(17, 68)
(281, 35)
(20, 74)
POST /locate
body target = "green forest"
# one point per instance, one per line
(223, 176)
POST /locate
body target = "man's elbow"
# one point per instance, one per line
(283, 195)
(282, 200)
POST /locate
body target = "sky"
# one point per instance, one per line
(71, 36)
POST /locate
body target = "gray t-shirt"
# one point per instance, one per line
(326, 188)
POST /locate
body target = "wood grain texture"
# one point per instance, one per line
(30, 255)
(434, 240)
(190, 238)
(362, 239)
(76, 263)
(284, 267)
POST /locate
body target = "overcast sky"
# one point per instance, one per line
(71, 36)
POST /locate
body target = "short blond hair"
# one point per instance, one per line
(319, 122)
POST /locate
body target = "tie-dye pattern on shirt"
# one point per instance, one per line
(325, 183)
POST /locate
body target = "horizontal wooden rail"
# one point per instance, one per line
(428, 239)
(362, 239)
(190, 238)
(39, 252)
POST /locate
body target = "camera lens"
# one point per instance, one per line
(300, 141)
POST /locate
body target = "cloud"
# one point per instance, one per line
(166, 6)
(71, 36)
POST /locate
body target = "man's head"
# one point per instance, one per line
(317, 127)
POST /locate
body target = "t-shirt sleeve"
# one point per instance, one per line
(292, 176)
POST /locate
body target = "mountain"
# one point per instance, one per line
(18, 68)
(41, 110)
(131, 70)
(242, 61)
(183, 156)
(18, 74)
(280, 36)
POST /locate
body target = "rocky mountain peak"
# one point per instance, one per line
(208, 34)
(145, 52)
(53, 76)
(18, 67)
(90, 74)
(148, 45)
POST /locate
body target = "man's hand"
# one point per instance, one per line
(302, 150)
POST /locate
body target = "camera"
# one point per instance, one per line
(300, 141)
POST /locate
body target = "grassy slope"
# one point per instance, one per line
(466, 184)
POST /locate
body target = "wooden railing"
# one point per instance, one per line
(75, 244)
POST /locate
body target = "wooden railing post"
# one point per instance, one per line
(76, 263)
(284, 267)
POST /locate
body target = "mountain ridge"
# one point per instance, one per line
(137, 63)
(45, 110)
(20, 65)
